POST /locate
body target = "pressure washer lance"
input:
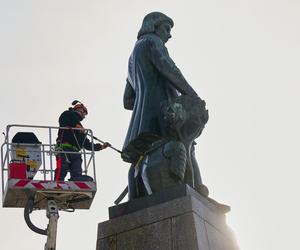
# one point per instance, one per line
(124, 155)
(109, 145)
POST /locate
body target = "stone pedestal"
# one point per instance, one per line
(178, 218)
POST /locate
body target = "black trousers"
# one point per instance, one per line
(68, 162)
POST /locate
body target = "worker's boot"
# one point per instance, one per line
(81, 178)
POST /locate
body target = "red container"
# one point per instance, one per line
(17, 170)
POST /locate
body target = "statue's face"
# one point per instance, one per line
(164, 31)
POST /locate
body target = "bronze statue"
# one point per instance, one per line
(154, 80)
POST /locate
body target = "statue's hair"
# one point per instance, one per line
(195, 108)
(151, 21)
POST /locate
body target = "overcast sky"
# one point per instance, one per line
(241, 56)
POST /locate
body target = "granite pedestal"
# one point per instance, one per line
(175, 219)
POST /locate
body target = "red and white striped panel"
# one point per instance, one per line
(52, 185)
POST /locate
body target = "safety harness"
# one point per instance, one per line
(60, 146)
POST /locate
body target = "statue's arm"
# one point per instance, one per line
(129, 96)
(165, 65)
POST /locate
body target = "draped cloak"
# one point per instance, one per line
(152, 78)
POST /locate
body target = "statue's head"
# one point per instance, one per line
(185, 116)
(157, 23)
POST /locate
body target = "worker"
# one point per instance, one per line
(73, 140)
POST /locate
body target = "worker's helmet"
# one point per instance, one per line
(80, 108)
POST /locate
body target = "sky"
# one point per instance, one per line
(241, 56)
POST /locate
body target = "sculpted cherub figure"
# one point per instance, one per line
(171, 161)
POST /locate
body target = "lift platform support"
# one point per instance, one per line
(51, 231)
(28, 166)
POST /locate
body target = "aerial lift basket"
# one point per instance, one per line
(28, 167)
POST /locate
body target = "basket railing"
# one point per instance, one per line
(48, 150)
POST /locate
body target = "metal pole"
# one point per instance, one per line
(3, 160)
(52, 214)
(44, 162)
(50, 152)
(84, 161)
(7, 147)
(6, 158)
(110, 146)
(93, 157)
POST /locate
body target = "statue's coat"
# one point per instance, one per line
(152, 78)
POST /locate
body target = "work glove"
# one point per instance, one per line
(99, 146)
(105, 145)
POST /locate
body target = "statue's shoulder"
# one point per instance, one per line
(151, 40)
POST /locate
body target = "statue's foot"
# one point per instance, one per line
(221, 207)
(203, 190)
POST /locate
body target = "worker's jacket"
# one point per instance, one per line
(71, 138)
